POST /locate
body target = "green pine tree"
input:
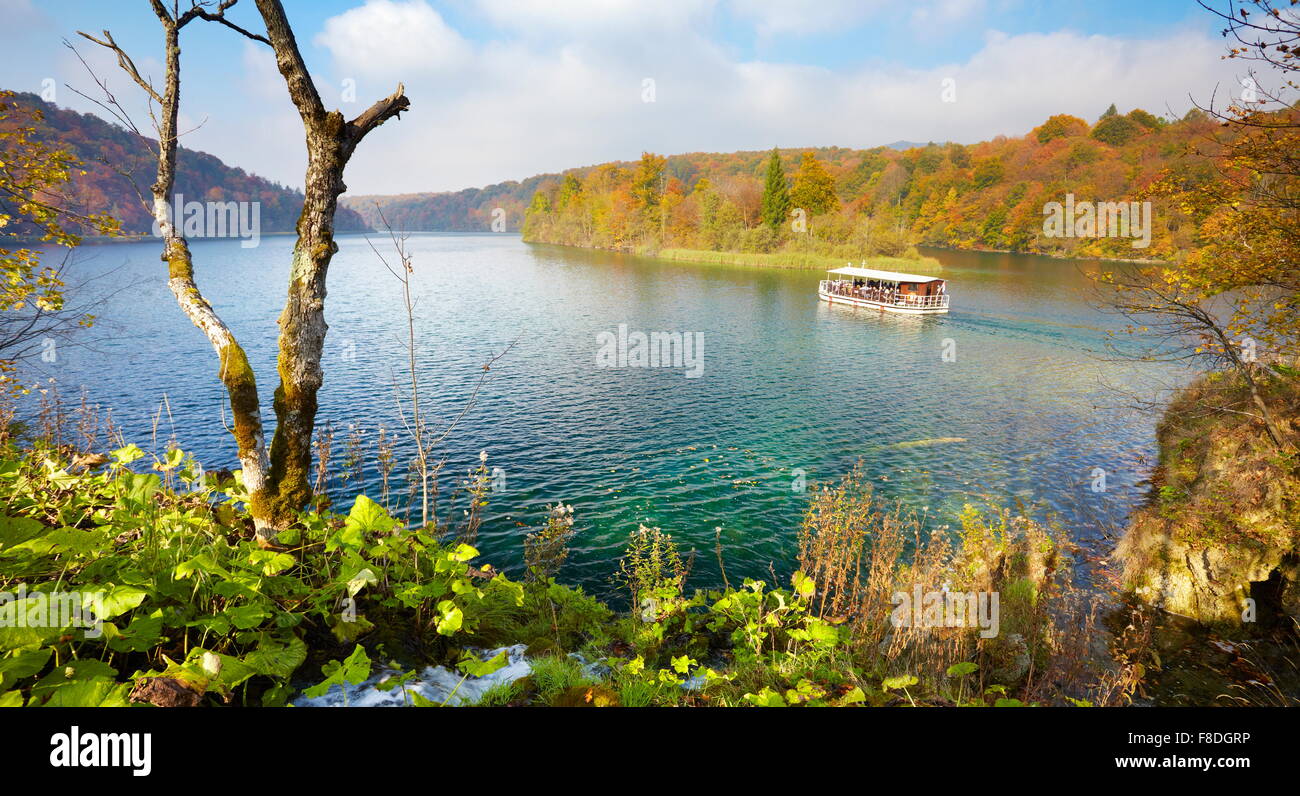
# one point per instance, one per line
(776, 194)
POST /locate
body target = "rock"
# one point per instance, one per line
(166, 692)
(1219, 542)
(1215, 584)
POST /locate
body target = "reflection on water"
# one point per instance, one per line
(1026, 410)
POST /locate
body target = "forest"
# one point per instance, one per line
(116, 167)
(882, 202)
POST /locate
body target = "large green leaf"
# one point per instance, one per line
(74, 540)
(22, 664)
(75, 671)
(115, 601)
(360, 580)
(203, 563)
(128, 454)
(474, 667)
(16, 530)
(139, 488)
(246, 617)
(94, 693)
(271, 562)
(354, 669)
(15, 634)
(451, 619)
(144, 632)
(368, 516)
(277, 658)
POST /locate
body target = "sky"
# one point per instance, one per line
(504, 89)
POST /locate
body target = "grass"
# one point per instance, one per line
(798, 260)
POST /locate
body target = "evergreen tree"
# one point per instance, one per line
(776, 194)
(1111, 111)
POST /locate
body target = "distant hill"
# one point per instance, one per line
(902, 145)
(106, 188)
(468, 210)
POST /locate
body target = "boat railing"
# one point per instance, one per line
(890, 297)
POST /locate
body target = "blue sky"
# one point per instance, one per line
(503, 89)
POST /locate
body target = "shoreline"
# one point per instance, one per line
(1054, 256)
(803, 261)
(813, 262)
(787, 261)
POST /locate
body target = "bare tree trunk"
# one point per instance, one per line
(277, 481)
(235, 372)
(331, 141)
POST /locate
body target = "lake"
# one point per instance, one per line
(789, 389)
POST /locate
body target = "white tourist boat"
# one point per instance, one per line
(885, 290)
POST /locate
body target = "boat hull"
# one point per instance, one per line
(878, 305)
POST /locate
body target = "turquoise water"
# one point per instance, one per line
(787, 384)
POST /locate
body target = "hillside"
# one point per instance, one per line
(882, 201)
(468, 210)
(114, 158)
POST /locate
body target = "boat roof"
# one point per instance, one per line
(885, 276)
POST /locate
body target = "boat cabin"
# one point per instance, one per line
(885, 290)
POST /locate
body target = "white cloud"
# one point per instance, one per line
(386, 37)
(514, 106)
(523, 110)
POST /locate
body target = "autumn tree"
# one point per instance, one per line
(648, 189)
(1148, 120)
(1060, 126)
(570, 193)
(1116, 130)
(814, 188)
(776, 194)
(647, 180)
(1233, 301)
(988, 172)
(34, 313)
